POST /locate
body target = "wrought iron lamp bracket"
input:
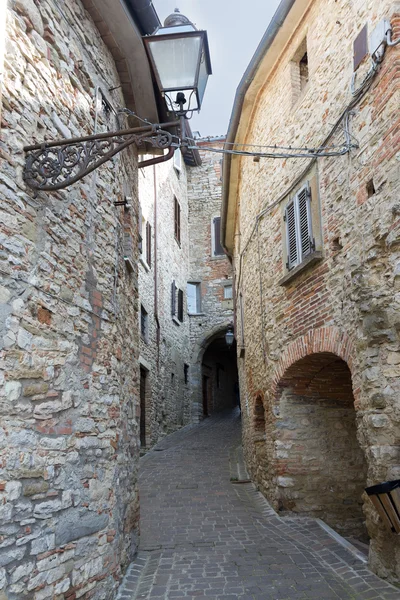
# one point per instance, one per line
(56, 165)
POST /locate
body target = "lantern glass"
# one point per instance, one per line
(229, 337)
(176, 61)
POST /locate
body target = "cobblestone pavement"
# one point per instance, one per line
(204, 536)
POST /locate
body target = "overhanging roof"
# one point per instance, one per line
(121, 24)
(278, 33)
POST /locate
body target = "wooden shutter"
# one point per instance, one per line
(148, 244)
(217, 236)
(140, 232)
(291, 237)
(306, 243)
(173, 298)
(180, 305)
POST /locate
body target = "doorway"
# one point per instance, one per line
(206, 395)
(143, 383)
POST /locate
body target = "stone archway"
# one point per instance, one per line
(319, 465)
(196, 372)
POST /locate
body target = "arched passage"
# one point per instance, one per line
(213, 374)
(321, 469)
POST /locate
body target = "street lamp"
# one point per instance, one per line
(180, 59)
(229, 336)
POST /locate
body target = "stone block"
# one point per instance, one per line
(76, 524)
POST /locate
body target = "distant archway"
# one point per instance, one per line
(215, 373)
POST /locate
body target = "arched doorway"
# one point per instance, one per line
(213, 374)
(321, 469)
(219, 377)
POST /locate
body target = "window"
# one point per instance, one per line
(228, 292)
(173, 299)
(299, 240)
(177, 220)
(299, 71)
(148, 244)
(217, 249)
(194, 298)
(144, 323)
(178, 161)
(180, 306)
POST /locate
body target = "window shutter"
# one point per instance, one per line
(305, 231)
(140, 232)
(177, 220)
(173, 298)
(148, 244)
(217, 236)
(180, 305)
(292, 253)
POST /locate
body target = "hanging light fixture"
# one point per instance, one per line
(180, 59)
(229, 336)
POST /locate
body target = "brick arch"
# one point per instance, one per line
(323, 340)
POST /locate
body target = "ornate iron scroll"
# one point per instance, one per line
(54, 167)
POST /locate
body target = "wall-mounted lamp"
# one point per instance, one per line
(180, 59)
(229, 336)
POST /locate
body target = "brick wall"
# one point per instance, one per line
(68, 325)
(345, 303)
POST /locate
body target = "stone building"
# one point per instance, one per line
(69, 394)
(315, 249)
(185, 290)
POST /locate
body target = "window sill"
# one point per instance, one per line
(218, 256)
(196, 314)
(307, 262)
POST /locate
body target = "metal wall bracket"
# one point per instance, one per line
(56, 165)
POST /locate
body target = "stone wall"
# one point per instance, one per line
(68, 324)
(212, 272)
(166, 350)
(345, 302)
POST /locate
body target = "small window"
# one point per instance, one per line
(194, 298)
(148, 244)
(186, 373)
(144, 323)
(178, 160)
(299, 240)
(228, 292)
(180, 306)
(177, 221)
(217, 249)
(173, 299)
(299, 71)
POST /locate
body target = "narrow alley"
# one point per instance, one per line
(206, 535)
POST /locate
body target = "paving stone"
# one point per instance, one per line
(224, 541)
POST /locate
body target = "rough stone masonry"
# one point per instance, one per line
(68, 324)
(319, 345)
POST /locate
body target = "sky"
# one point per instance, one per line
(235, 28)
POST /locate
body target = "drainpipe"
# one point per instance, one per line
(156, 316)
(3, 13)
(158, 159)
